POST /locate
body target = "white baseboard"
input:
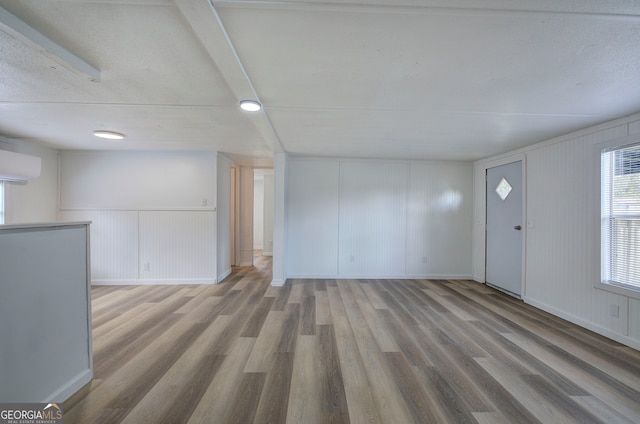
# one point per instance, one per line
(223, 275)
(278, 283)
(134, 282)
(383, 277)
(620, 338)
(72, 386)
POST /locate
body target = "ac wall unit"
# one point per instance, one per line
(19, 167)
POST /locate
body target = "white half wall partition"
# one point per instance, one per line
(154, 214)
(45, 312)
(378, 219)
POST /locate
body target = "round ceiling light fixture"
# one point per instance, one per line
(250, 105)
(110, 135)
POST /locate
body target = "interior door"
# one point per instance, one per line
(504, 228)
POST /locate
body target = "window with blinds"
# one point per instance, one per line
(620, 241)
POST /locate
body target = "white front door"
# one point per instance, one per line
(504, 227)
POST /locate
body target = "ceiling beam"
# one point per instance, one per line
(24, 32)
(208, 27)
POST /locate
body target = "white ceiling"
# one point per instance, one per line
(411, 79)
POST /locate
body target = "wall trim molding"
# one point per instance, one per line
(135, 282)
(278, 282)
(382, 277)
(72, 386)
(620, 338)
(224, 275)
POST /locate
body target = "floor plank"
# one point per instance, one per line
(359, 351)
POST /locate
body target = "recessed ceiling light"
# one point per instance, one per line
(250, 105)
(111, 135)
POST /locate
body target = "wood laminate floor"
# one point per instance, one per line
(338, 351)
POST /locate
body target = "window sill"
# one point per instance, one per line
(619, 289)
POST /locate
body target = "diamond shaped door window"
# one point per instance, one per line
(503, 189)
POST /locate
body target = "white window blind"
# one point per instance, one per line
(620, 242)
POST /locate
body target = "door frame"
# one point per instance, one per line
(483, 169)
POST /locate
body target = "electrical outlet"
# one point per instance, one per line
(352, 258)
(147, 265)
(614, 310)
(204, 202)
(424, 259)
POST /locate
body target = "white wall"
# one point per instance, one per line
(37, 200)
(267, 217)
(258, 211)
(223, 218)
(245, 212)
(263, 210)
(153, 214)
(562, 249)
(378, 219)
(280, 217)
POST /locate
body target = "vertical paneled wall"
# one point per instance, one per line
(267, 217)
(153, 214)
(246, 216)
(313, 202)
(258, 212)
(562, 243)
(376, 219)
(177, 245)
(223, 215)
(373, 212)
(114, 243)
(439, 209)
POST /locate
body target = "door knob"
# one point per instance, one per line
(517, 227)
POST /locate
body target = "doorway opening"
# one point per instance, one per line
(263, 195)
(252, 206)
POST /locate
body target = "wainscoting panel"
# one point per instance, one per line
(177, 245)
(114, 243)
